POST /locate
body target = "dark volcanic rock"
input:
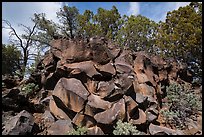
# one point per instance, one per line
(94, 83)
(21, 124)
(154, 130)
(60, 127)
(116, 112)
(72, 93)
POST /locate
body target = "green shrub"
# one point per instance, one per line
(30, 87)
(79, 131)
(3, 84)
(183, 96)
(183, 103)
(124, 128)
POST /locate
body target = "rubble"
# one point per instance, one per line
(96, 84)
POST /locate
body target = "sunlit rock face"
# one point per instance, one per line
(96, 83)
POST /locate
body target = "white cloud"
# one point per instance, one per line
(21, 12)
(49, 8)
(133, 8)
(170, 6)
(181, 4)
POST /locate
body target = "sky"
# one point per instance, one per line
(21, 12)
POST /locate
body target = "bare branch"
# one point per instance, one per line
(29, 37)
(14, 32)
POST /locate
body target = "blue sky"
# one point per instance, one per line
(21, 12)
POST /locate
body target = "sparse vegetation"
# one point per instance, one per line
(79, 131)
(2, 84)
(125, 128)
(182, 102)
(28, 88)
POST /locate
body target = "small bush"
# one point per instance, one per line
(28, 88)
(79, 131)
(3, 84)
(182, 103)
(124, 128)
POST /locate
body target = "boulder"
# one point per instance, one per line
(50, 81)
(114, 50)
(49, 63)
(139, 117)
(124, 62)
(124, 81)
(21, 124)
(95, 130)
(94, 83)
(91, 85)
(143, 68)
(70, 50)
(152, 114)
(96, 102)
(107, 69)
(11, 93)
(145, 89)
(105, 88)
(131, 106)
(57, 110)
(71, 93)
(87, 67)
(83, 120)
(101, 54)
(60, 127)
(116, 112)
(155, 129)
(95, 105)
(140, 98)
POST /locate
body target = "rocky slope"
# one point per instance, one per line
(94, 84)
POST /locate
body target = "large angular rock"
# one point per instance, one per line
(86, 67)
(83, 120)
(60, 127)
(48, 117)
(91, 85)
(101, 53)
(57, 110)
(131, 106)
(72, 93)
(139, 118)
(10, 93)
(143, 68)
(71, 51)
(159, 62)
(95, 130)
(50, 81)
(140, 98)
(145, 89)
(123, 82)
(116, 112)
(107, 69)
(173, 73)
(95, 105)
(151, 113)
(10, 81)
(49, 63)
(105, 88)
(124, 62)
(96, 102)
(12, 99)
(20, 124)
(154, 130)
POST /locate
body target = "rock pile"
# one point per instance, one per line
(96, 83)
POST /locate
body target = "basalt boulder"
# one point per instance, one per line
(94, 83)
